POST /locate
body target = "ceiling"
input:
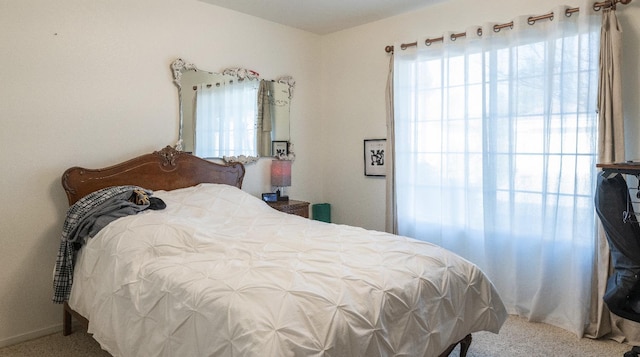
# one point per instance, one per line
(323, 16)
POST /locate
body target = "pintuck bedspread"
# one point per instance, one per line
(220, 273)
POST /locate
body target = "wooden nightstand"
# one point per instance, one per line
(299, 208)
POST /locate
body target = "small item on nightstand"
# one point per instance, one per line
(270, 197)
(280, 197)
(281, 177)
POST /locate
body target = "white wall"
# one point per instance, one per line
(354, 75)
(87, 82)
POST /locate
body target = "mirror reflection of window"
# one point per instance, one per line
(226, 119)
(272, 117)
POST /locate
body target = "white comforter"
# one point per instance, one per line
(220, 273)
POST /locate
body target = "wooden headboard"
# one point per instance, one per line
(167, 169)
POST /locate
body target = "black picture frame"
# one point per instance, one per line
(279, 148)
(374, 157)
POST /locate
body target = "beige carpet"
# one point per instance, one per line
(521, 338)
(517, 338)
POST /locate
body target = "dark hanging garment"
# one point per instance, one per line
(612, 202)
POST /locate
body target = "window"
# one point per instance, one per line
(495, 158)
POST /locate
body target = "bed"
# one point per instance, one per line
(220, 273)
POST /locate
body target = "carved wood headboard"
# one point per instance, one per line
(167, 169)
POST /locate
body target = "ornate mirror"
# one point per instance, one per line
(233, 115)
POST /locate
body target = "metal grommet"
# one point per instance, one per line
(479, 31)
(453, 37)
(427, 42)
(530, 21)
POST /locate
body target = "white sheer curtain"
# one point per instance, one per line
(495, 139)
(226, 119)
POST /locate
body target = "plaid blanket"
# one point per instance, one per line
(84, 219)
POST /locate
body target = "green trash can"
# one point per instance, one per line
(321, 212)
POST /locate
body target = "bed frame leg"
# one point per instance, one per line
(465, 343)
(66, 320)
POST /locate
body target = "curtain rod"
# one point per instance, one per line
(531, 20)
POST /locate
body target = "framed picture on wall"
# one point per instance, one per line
(374, 160)
(279, 148)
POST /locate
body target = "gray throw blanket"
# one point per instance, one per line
(85, 219)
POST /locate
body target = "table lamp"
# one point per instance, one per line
(281, 177)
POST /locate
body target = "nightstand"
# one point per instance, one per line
(299, 208)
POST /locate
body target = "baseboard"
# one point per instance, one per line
(31, 335)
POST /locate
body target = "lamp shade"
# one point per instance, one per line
(280, 173)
